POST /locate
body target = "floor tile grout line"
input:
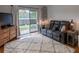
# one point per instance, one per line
(20, 44)
(68, 49)
(29, 45)
(41, 45)
(13, 48)
(33, 42)
(53, 46)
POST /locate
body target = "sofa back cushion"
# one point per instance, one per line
(63, 23)
(56, 27)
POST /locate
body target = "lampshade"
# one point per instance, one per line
(43, 22)
(46, 22)
(72, 24)
(77, 25)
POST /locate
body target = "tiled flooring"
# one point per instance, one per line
(36, 43)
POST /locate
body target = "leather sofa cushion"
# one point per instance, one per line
(49, 31)
(56, 27)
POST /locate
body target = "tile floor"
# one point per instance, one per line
(36, 43)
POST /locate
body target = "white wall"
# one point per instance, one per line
(63, 12)
(5, 8)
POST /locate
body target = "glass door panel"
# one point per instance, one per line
(24, 21)
(33, 21)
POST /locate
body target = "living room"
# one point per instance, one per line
(37, 32)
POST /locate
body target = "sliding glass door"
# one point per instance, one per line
(27, 21)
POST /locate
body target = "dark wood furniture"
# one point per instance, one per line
(7, 34)
(72, 38)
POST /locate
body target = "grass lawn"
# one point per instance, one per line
(26, 27)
